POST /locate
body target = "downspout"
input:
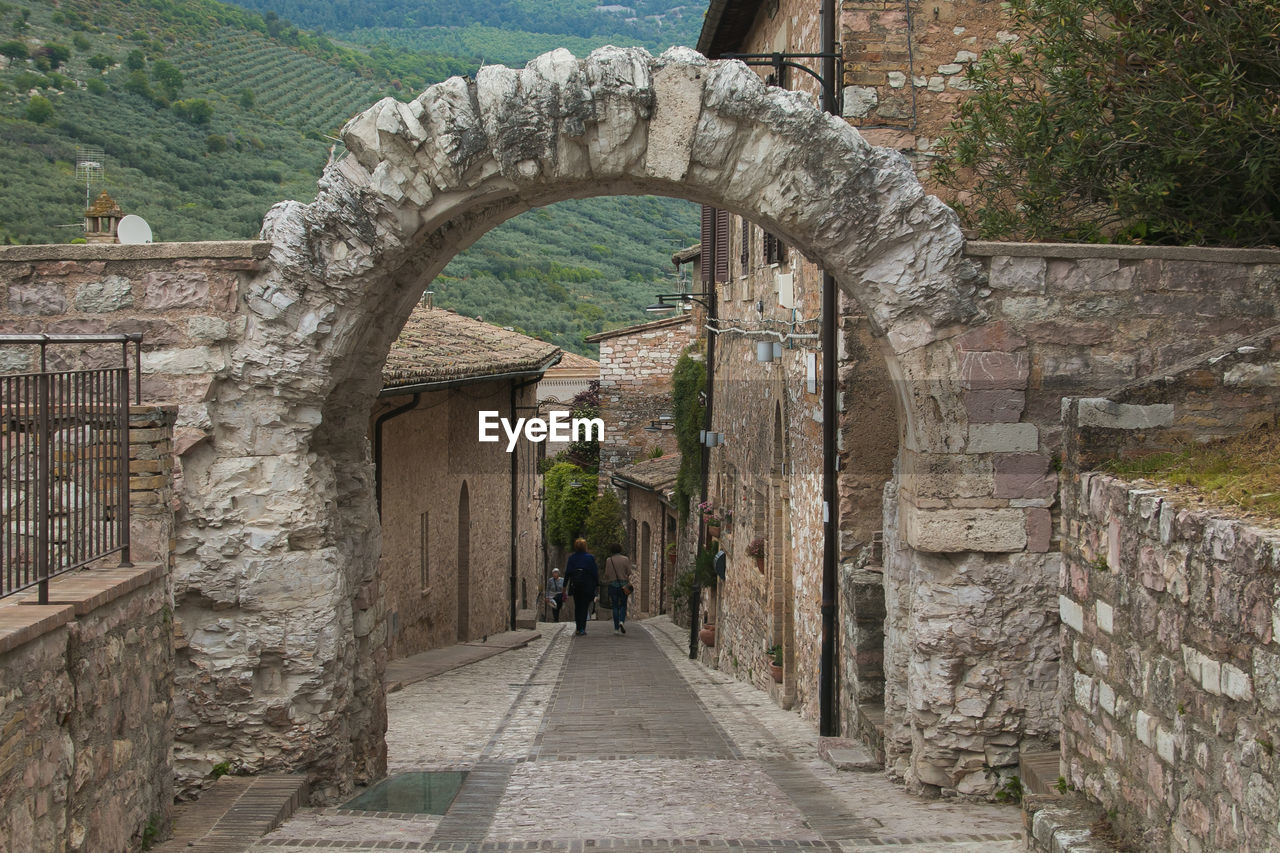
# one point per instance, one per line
(515, 481)
(377, 443)
(828, 725)
(696, 601)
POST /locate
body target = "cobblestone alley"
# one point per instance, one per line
(661, 754)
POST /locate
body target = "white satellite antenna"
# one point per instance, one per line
(89, 168)
(133, 230)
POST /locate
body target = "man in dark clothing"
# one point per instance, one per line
(583, 576)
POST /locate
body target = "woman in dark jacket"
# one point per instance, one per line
(582, 576)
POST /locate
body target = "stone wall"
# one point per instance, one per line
(636, 364)
(86, 691)
(1170, 615)
(1171, 667)
(904, 67)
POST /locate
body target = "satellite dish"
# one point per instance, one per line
(133, 230)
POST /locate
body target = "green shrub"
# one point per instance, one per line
(1123, 120)
(14, 49)
(604, 525)
(39, 109)
(194, 110)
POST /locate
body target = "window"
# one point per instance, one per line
(775, 251)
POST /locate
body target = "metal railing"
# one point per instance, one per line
(64, 455)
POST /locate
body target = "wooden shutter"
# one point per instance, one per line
(775, 251)
(744, 256)
(707, 261)
(722, 245)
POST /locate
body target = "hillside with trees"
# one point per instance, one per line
(500, 31)
(207, 114)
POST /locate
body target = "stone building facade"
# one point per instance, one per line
(902, 65)
(461, 528)
(647, 489)
(636, 363)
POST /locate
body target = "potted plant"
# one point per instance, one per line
(756, 551)
(775, 663)
(673, 551)
(708, 635)
(710, 518)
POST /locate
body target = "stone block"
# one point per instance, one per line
(163, 291)
(1071, 613)
(1039, 530)
(1003, 438)
(112, 293)
(1105, 615)
(993, 337)
(41, 298)
(859, 101)
(994, 407)
(994, 371)
(955, 530)
(1236, 683)
(1101, 412)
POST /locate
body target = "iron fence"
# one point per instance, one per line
(64, 454)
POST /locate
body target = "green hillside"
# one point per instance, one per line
(208, 114)
(654, 24)
(572, 269)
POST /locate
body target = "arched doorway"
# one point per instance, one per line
(425, 179)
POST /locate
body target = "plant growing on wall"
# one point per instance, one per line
(567, 504)
(688, 382)
(585, 454)
(1136, 121)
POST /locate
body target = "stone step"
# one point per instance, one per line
(847, 754)
(233, 814)
(871, 729)
(1040, 771)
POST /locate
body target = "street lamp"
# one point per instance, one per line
(672, 301)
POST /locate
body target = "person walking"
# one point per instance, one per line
(555, 594)
(583, 576)
(617, 578)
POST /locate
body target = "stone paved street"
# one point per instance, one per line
(667, 754)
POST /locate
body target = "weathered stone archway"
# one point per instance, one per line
(283, 572)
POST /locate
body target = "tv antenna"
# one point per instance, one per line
(89, 168)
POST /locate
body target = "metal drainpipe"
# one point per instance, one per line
(515, 479)
(377, 443)
(828, 725)
(696, 601)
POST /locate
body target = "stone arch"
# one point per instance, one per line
(424, 180)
